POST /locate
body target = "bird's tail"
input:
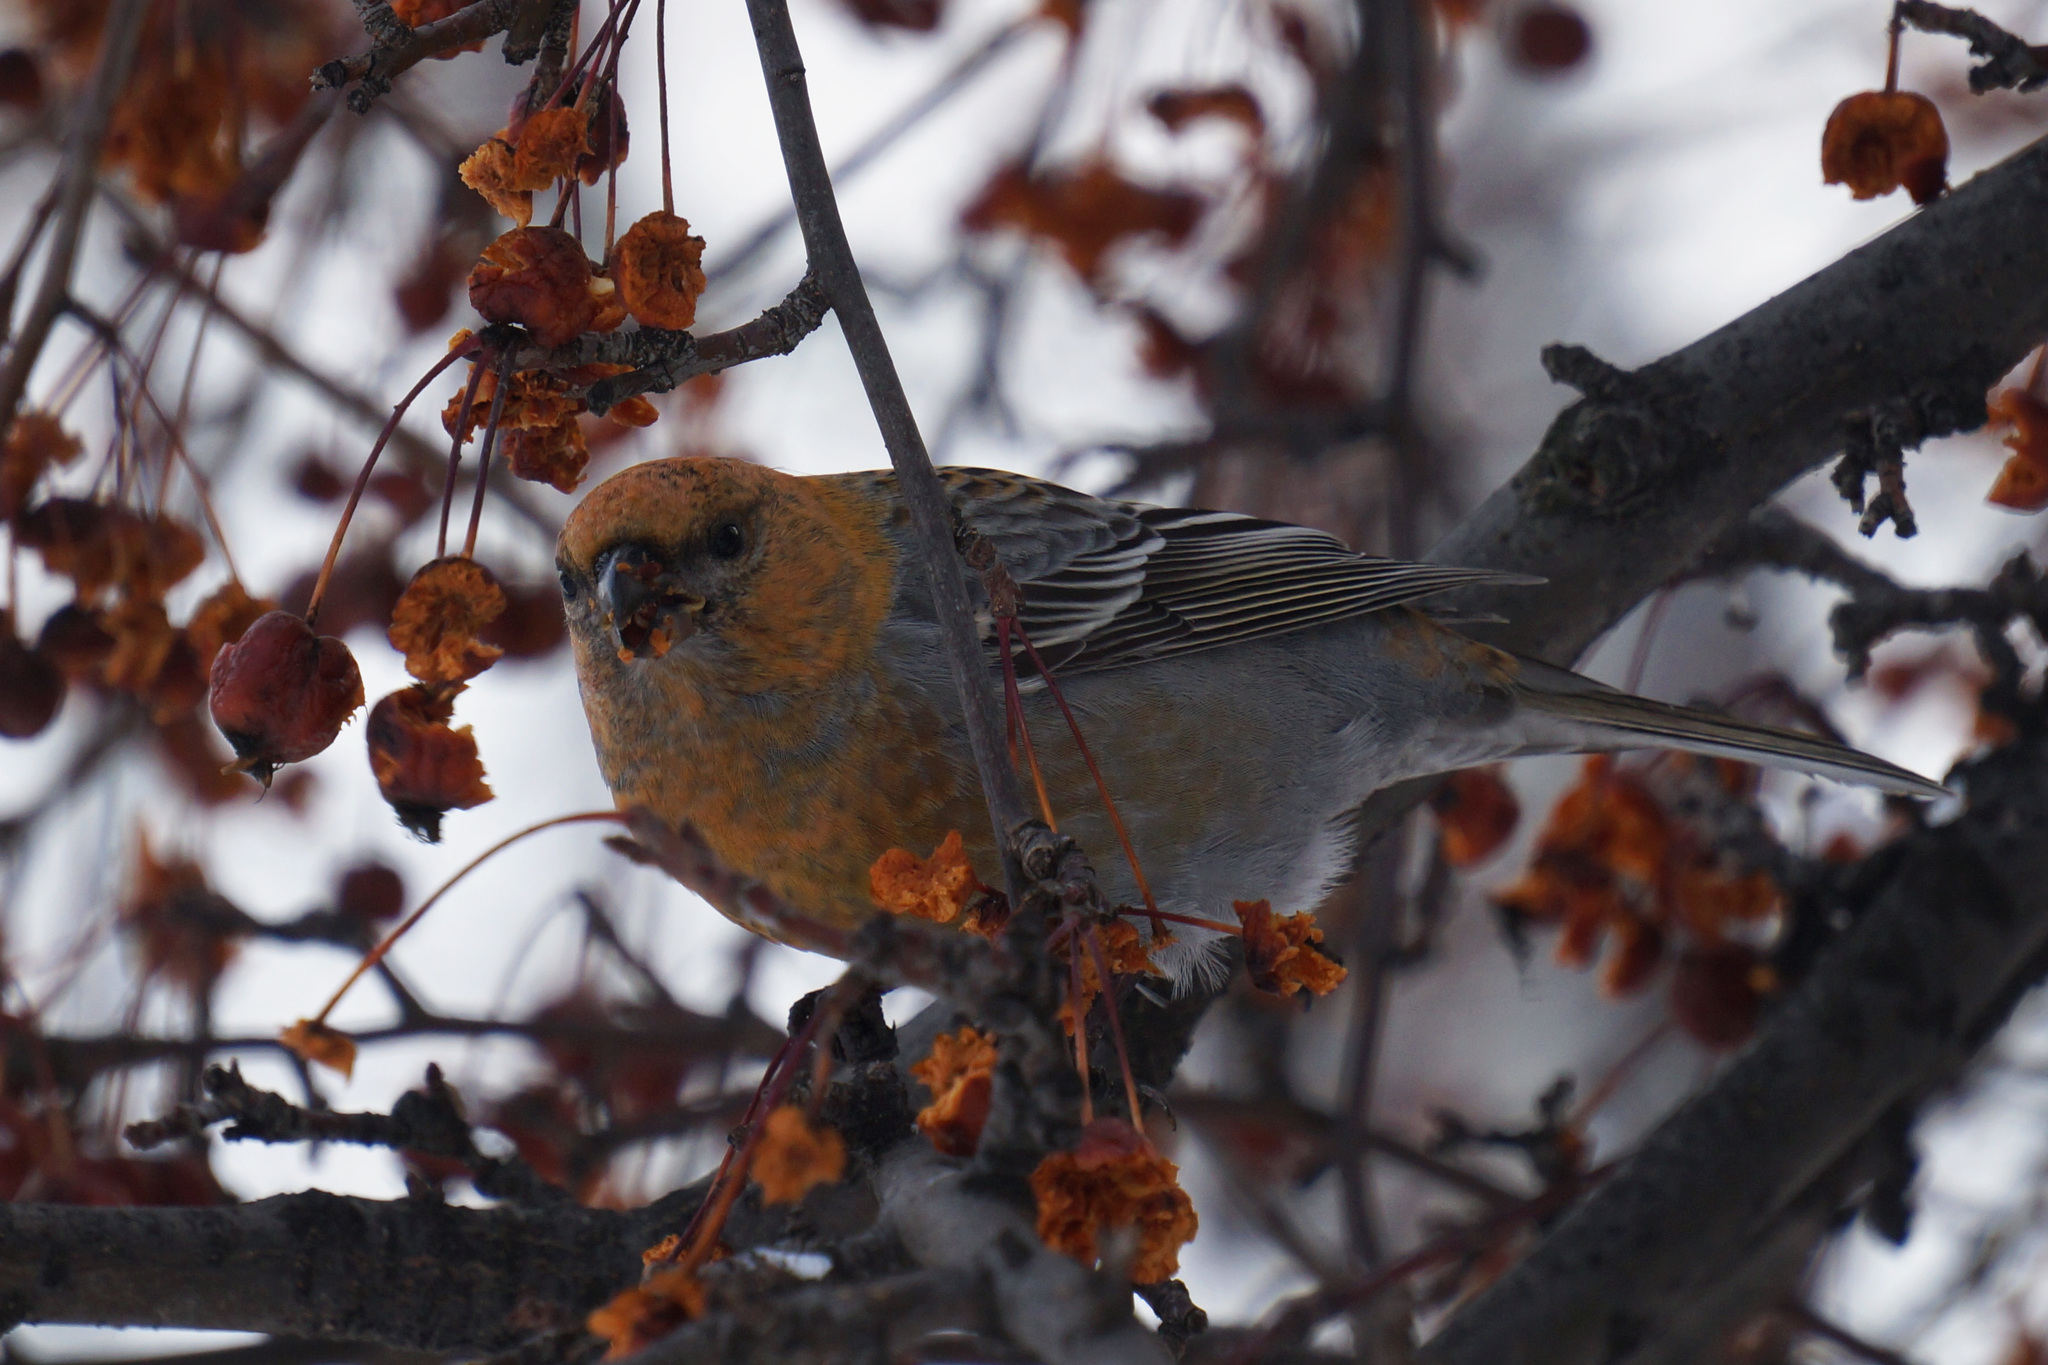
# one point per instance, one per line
(1564, 712)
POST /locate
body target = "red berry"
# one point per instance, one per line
(280, 694)
(1550, 37)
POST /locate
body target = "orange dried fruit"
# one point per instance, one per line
(539, 278)
(794, 1156)
(280, 693)
(549, 146)
(31, 687)
(418, 13)
(329, 1047)
(637, 1318)
(659, 269)
(2023, 483)
(937, 888)
(99, 545)
(489, 171)
(1114, 1178)
(554, 455)
(608, 137)
(1084, 212)
(35, 443)
(960, 1073)
(152, 660)
(438, 617)
(1475, 813)
(424, 767)
(1879, 140)
(1281, 955)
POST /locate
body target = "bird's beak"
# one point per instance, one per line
(645, 609)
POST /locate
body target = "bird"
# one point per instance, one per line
(759, 657)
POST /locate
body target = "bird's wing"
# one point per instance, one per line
(1108, 584)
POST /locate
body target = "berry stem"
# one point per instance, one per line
(377, 954)
(483, 459)
(1117, 821)
(1116, 1025)
(369, 466)
(1891, 61)
(476, 379)
(668, 187)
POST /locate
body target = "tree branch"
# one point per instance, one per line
(831, 257)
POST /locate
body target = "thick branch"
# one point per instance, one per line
(664, 359)
(393, 55)
(1957, 931)
(1634, 481)
(410, 1272)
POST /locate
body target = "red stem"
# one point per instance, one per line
(1116, 1025)
(668, 188)
(1117, 821)
(369, 466)
(483, 459)
(476, 379)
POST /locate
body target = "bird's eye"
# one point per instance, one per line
(727, 540)
(568, 585)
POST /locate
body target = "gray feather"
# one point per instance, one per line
(1588, 716)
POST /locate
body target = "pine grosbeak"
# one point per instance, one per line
(758, 657)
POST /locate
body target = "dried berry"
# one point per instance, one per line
(554, 455)
(1281, 955)
(280, 694)
(937, 888)
(1475, 813)
(549, 146)
(98, 545)
(659, 269)
(1881, 140)
(35, 443)
(609, 138)
(538, 278)
(794, 1155)
(960, 1073)
(637, 1318)
(369, 892)
(2023, 483)
(1084, 212)
(424, 767)
(1717, 992)
(31, 687)
(1548, 38)
(436, 622)
(1113, 1178)
(489, 171)
(76, 641)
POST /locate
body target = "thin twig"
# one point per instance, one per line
(123, 35)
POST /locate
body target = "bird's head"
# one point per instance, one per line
(721, 564)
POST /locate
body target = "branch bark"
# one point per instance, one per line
(409, 1272)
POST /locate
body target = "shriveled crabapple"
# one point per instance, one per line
(280, 694)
